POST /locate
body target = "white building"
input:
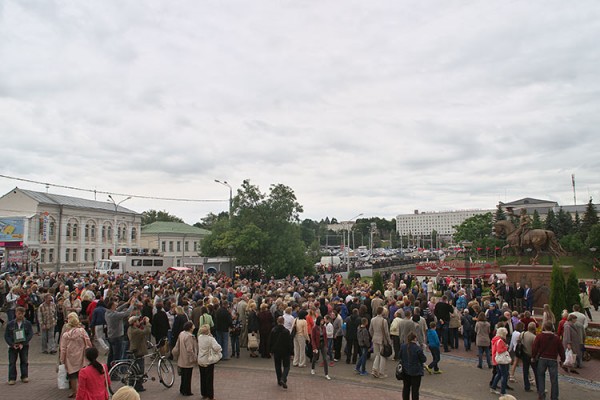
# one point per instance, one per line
(424, 223)
(58, 231)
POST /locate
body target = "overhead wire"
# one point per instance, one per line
(137, 196)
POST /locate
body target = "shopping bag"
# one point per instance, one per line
(252, 341)
(569, 358)
(61, 379)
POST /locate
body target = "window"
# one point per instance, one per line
(93, 231)
(171, 246)
(86, 254)
(163, 246)
(43, 256)
(178, 262)
(74, 230)
(74, 254)
(186, 246)
(133, 234)
(93, 255)
(103, 254)
(67, 255)
(195, 246)
(178, 245)
(68, 232)
(109, 233)
(51, 230)
(86, 232)
(51, 255)
(103, 232)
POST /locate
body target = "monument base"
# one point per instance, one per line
(536, 276)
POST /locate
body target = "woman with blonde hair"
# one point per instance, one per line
(548, 316)
(126, 393)
(253, 326)
(209, 353)
(73, 343)
(499, 347)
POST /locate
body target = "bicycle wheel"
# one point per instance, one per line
(166, 373)
(123, 373)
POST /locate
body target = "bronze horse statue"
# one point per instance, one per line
(536, 239)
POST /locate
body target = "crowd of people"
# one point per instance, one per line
(314, 321)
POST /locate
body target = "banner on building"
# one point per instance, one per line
(11, 229)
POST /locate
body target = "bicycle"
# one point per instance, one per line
(127, 372)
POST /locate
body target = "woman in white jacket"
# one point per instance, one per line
(209, 353)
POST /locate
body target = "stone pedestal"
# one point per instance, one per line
(536, 276)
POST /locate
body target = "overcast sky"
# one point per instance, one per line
(373, 107)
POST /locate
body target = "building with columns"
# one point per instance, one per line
(59, 231)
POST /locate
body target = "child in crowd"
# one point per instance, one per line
(433, 341)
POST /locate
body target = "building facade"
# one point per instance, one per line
(63, 231)
(175, 239)
(424, 223)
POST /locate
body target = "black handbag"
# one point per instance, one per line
(386, 351)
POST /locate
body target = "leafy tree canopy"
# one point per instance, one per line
(151, 216)
(474, 228)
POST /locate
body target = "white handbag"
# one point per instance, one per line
(61, 378)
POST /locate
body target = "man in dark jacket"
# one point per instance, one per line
(18, 334)
(442, 312)
(281, 348)
(352, 347)
(223, 322)
(160, 323)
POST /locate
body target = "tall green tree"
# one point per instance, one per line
(557, 291)
(572, 291)
(500, 214)
(564, 223)
(593, 238)
(536, 222)
(377, 282)
(264, 231)
(551, 222)
(151, 216)
(474, 228)
(590, 218)
(211, 219)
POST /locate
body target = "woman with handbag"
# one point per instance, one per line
(74, 341)
(253, 327)
(209, 353)
(412, 358)
(93, 379)
(516, 349)
(501, 359)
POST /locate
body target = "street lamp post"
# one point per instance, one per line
(467, 246)
(348, 243)
(116, 236)
(224, 183)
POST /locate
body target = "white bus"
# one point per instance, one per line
(133, 263)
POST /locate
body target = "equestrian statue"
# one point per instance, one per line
(523, 238)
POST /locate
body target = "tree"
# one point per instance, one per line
(593, 238)
(572, 291)
(264, 231)
(577, 223)
(500, 214)
(564, 223)
(557, 290)
(377, 283)
(551, 222)
(590, 218)
(211, 219)
(572, 243)
(536, 222)
(474, 228)
(151, 216)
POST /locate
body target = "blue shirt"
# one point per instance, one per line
(432, 338)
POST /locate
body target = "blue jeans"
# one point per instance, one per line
(552, 367)
(467, 339)
(435, 354)
(480, 350)
(502, 377)
(222, 338)
(330, 349)
(23, 355)
(235, 345)
(361, 365)
(444, 329)
(526, 365)
(115, 351)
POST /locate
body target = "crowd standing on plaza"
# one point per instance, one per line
(314, 320)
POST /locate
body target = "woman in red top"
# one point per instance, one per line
(318, 339)
(93, 379)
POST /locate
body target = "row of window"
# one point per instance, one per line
(172, 244)
(89, 232)
(72, 255)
